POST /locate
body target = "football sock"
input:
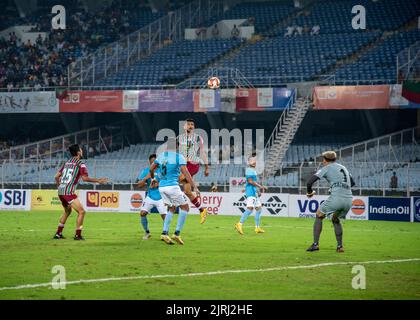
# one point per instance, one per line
(245, 215)
(181, 221)
(167, 222)
(145, 223)
(79, 232)
(338, 229)
(257, 218)
(60, 228)
(317, 229)
(196, 202)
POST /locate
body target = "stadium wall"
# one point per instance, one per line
(218, 203)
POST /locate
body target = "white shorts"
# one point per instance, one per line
(149, 203)
(253, 202)
(173, 196)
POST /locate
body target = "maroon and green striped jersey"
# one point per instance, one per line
(71, 171)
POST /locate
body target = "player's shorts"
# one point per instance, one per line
(339, 205)
(173, 196)
(253, 202)
(149, 204)
(193, 168)
(67, 200)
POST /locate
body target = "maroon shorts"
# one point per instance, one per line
(66, 200)
(193, 168)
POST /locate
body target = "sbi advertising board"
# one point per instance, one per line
(15, 199)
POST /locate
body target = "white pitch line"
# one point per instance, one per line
(211, 273)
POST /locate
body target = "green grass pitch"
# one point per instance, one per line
(114, 249)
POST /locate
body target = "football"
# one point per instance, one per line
(213, 83)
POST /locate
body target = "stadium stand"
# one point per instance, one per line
(44, 63)
(173, 63)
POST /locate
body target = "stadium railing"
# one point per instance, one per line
(371, 178)
(94, 141)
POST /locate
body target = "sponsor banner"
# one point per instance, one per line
(131, 201)
(93, 101)
(300, 206)
(100, 200)
(206, 100)
(12, 199)
(359, 209)
(352, 97)
(130, 100)
(274, 204)
(45, 200)
(395, 98)
(228, 100)
(263, 99)
(237, 184)
(25, 102)
(166, 100)
(389, 209)
(415, 209)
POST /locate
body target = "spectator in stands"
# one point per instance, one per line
(315, 30)
(213, 187)
(251, 21)
(306, 30)
(290, 31)
(215, 31)
(394, 181)
(235, 32)
(299, 30)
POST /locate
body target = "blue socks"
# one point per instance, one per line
(258, 218)
(167, 222)
(144, 223)
(245, 215)
(182, 216)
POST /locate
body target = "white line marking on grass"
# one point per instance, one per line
(211, 273)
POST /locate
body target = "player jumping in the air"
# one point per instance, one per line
(171, 164)
(252, 197)
(153, 197)
(191, 146)
(67, 179)
(339, 201)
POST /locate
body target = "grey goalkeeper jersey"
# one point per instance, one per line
(338, 178)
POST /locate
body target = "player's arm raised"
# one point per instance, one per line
(189, 179)
(94, 180)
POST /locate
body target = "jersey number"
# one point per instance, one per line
(67, 175)
(344, 175)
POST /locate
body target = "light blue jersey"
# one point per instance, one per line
(170, 163)
(250, 190)
(152, 193)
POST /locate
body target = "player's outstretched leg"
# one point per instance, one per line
(77, 205)
(145, 225)
(244, 216)
(258, 229)
(196, 201)
(166, 225)
(317, 231)
(182, 216)
(63, 219)
(338, 230)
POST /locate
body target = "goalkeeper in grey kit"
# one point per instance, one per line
(338, 203)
